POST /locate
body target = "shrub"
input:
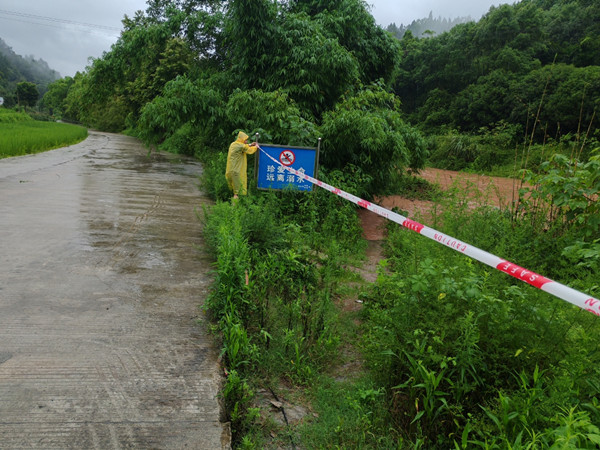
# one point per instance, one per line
(565, 192)
(366, 130)
(188, 112)
(273, 114)
(10, 116)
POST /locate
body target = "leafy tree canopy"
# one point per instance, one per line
(517, 59)
(366, 130)
(186, 73)
(27, 93)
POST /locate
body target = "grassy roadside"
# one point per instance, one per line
(283, 264)
(21, 135)
(438, 352)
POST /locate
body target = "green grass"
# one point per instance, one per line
(21, 135)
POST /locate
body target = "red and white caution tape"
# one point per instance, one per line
(559, 290)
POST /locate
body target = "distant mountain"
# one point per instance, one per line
(426, 26)
(16, 68)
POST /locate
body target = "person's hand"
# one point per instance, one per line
(253, 144)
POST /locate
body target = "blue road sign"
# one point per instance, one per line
(271, 175)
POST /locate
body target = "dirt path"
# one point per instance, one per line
(100, 341)
(499, 192)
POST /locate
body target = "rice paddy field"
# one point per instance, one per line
(21, 135)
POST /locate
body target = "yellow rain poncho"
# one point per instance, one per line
(237, 164)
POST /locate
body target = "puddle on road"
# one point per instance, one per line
(139, 205)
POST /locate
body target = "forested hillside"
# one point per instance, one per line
(537, 60)
(426, 27)
(16, 68)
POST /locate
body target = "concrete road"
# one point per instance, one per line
(101, 276)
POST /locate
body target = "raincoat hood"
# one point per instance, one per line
(242, 136)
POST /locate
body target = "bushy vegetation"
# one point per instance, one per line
(472, 359)
(381, 143)
(13, 116)
(456, 355)
(498, 152)
(273, 298)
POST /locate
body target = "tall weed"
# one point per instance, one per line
(272, 298)
(565, 192)
(469, 357)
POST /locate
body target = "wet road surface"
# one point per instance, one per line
(101, 275)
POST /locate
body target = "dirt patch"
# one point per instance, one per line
(496, 191)
(369, 269)
(501, 191)
(374, 226)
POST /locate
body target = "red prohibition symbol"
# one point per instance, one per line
(287, 157)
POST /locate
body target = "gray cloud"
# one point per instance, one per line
(405, 11)
(66, 47)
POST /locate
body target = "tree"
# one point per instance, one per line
(355, 29)
(291, 52)
(573, 29)
(134, 72)
(27, 93)
(314, 7)
(184, 104)
(366, 130)
(485, 102)
(312, 66)
(54, 100)
(200, 22)
(251, 38)
(273, 114)
(497, 28)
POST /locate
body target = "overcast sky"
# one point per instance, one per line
(56, 30)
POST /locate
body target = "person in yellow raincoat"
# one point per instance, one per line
(237, 164)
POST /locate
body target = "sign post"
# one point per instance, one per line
(271, 176)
